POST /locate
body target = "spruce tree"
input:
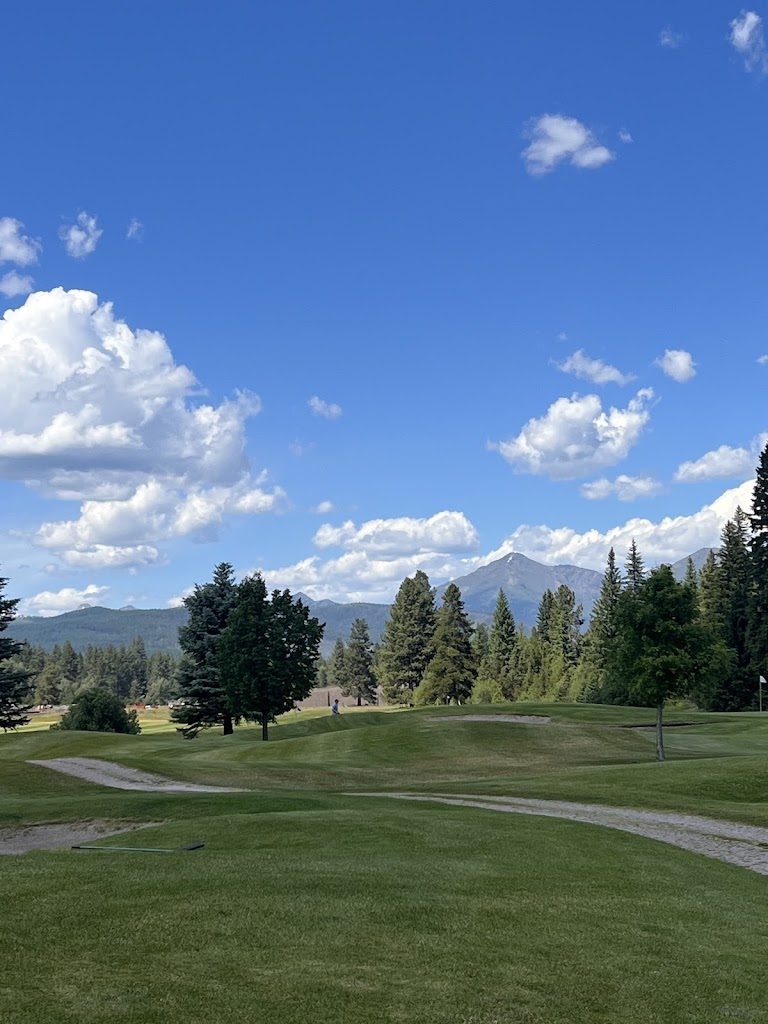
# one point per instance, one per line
(451, 672)
(335, 672)
(405, 648)
(757, 629)
(601, 635)
(739, 692)
(691, 576)
(206, 702)
(634, 569)
(502, 647)
(359, 681)
(14, 683)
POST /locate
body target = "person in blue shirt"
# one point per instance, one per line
(335, 707)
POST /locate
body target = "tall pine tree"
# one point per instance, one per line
(757, 629)
(14, 683)
(359, 681)
(451, 672)
(502, 647)
(405, 648)
(206, 702)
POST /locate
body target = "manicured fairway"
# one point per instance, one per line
(310, 905)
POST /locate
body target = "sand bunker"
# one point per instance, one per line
(744, 845)
(521, 719)
(23, 838)
(116, 776)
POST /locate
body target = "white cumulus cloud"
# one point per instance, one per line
(677, 364)
(16, 247)
(625, 488)
(377, 556)
(81, 238)
(555, 138)
(577, 436)
(66, 600)
(664, 540)
(722, 462)
(93, 411)
(329, 410)
(323, 509)
(595, 370)
(748, 39)
(444, 532)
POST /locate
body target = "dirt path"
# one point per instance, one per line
(107, 773)
(17, 839)
(521, 719)
(744, 845)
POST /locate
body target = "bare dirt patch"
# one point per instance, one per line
(23, 838)
(744, 845)
(520, 719)
(117, 776)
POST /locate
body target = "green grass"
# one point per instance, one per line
(307, 904)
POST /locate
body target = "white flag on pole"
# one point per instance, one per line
(762, 680)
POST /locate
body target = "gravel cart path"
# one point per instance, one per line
(744, 845)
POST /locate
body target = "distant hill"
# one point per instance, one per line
(523, 581)
(699, 557)
(104, 626)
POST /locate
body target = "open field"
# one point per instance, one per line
(309, 904)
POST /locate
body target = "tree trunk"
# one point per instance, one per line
(228, 727)
(359, 701)
(265, 726)
(659, 733)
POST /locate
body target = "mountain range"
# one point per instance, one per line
(522, 579)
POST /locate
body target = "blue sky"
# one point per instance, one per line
(342, 290)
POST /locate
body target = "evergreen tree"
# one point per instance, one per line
(634, 568)
(268, 653)
(451, 671)
(661, 650)
(486, 689)
(502, 647)
(359, 680)
(757, 630)
(137, 669)
(544, 615)
(336, 674)
(738, 692)
(406, 641)
(601, 634)
(14, 683)
(691, 576)
(565, 641)
(207, 703)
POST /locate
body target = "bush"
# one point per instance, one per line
(99, 711)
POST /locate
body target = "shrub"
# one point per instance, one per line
(99, 711)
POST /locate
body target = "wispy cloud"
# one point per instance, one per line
(625, 488)
(625, 136)
(677, 364)
(322, 509)
(748, 39)
(762, 360)
(670, 39)
(329, 410)
(556, 138)
(81, 238)
(135, 231)
(595, 370)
